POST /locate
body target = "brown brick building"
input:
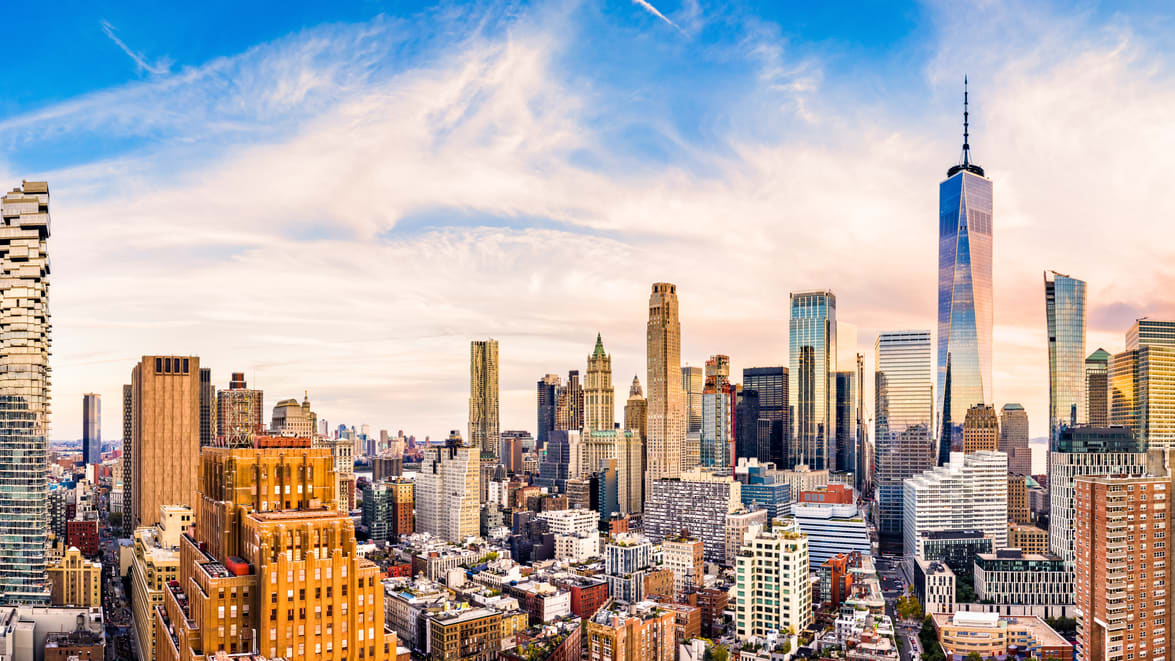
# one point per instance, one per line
(165, 435)
(472, 634)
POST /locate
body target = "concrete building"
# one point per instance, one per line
(155, 564)
(698, 502)
(166, 434)
(970, 492)
(293, 419)
(39, 633)
(472, 634)
(599, 397)
(1122, 574)
(738, 525)
(577, 536)
(627, 559)
(483, 396)
(569, 404)
(772, 590)
(684, 557)
(991, 635)
(239, 413)
(407, 605)
(1010, 576)
(447, 490)
(75, 581)
(1014, 439)
(981, 429)
(1028, 539)
(1018, 511)
(832, 529)
(934, 583)
(128, 465)
(666, 401)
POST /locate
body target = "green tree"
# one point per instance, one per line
(909, 608)
(974, 656)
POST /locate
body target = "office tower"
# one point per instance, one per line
(1082, 451)
(698, 502)
(636, 411)
(91, 428)
(718, 424)
(1014, 439)
(207, 408)
(832, 528)
(1142, 382)
(166, 434)
(291, 418)
(1065, 316)
(388, 509)
(1018, 511)
(599, 397)
(765, 489)
(964, 292)
(864, 469)
(1097, 388)
(845, 438)
(666, 412)
(24, 393)
(746, 426)
(636, 419)
(447, 491)
(269, 570)
(773, 565)
(546, 399)
(683, 555)
(483, 395)
(903, 413)
(569, 404)
(981, 429)
(771, 383)
(1121, 574)
(812, 362)
(128, 465)
(969, 492)
(692, 384)
(238, 414)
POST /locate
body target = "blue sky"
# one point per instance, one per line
(338, 197)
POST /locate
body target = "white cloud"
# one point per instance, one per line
(158, 67)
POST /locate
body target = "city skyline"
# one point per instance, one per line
(397, 360)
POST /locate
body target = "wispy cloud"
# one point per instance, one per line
(159, 67)
(644, 4)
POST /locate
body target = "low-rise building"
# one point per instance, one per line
(991, 635)
(471, 634)
(407, 605)
(75, 581)
(934, 583)
(51, 633)
(1010, 576)
(1027, 538)
(643, 632)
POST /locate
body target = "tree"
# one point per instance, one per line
(974, 656)
(716, 653)
(909, 608)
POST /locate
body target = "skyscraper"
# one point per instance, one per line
(1142, 383)
(1065, 315)
(771, 383)
(1097, 388)
(128, 460)
(1014, 439)
(546, 400)
(692, 384)
(569, 404)
(447, 490)
(666, 416)
(717, 443)
(969, 492)
(92, 428)
(812, 359)
(207, 408)
(903, 410)
(981, 429)
(846, 421)
(634, 447)
(238, 413)
(599, 397)
(165, 434)
(964, 291)
(24, 393)
(483, 395)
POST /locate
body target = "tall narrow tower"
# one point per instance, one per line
(92, 428)
(666, 400)
(24, 393)
(812, 356)
(963, 377)
(483, 395)
(599, 397)
(1064, 309)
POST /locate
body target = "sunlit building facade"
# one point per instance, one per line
(1142, 383)
(1065, 315)
(666, 402)
(812, 364)
(1097, 388)
(599, 397)
(483, 395)
(692, 384)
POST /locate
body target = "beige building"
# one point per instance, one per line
(75, 581)
(599, 397)
(684, 557)
(1014, 439)
(773, 591)
(447, 490)
(643, 632)
(1018, 511)
(166, 434)
(636, 419)
(483, 396)
(1028, 538)
(981, 429)
(666, 412)
(738, 524)
(156, 561)
(293, 419)
(596, 447)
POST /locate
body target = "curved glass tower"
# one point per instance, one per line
(963, 376)
(1065, 315)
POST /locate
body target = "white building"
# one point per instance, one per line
(577, 536)
(971, 492)
(773, 592)
(698, 502)
(627, 558)
(447, 493)
(935, 584)
(831, 529)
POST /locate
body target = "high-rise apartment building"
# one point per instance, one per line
(666, 402)
(91, 428)
(717, 442)
(1014, 439)
(771, 384)
(207, 408)
(684, 556)
(24, 393)
(1065, 316)
(239, 414)
(483, 395)
(969, 492)
(1142, 382)
(693, 382)
(599, 397)
(772, 590)
(964, 292)
(811, 365)
(1122, 570)
(696, 501)
(166, 434)
(546, 401)
(903, 415)
(388, 509)
(1097, 388)
(1079, 452)
(447, 492)
(981, 429)
(641, 633)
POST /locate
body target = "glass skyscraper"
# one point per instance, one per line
(903, 412)
(1142, 383)
(92, 428)
(963, 376)
(1064, 302)
(771, 384)
(812, 363)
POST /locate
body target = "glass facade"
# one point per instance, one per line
(1064, 300)
(903, 410)
(24, 394)
(812, 363)
(771, 384)
(717, 442)
(846, 421)
(1142, 383)
(1097, 388)
(964, 296)
(692, 383)
(92, 428)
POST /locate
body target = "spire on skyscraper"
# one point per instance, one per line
(599, 351)
(965, 162)
(635, 390)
